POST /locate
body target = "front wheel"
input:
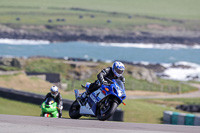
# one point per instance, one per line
(107, 111)
(74, 110)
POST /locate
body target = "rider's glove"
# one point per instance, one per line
(106, 83)
(60, 107)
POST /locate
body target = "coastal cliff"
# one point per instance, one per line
(58, 33)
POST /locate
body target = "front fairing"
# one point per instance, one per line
(117, 89)
(49, 108)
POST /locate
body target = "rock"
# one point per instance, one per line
(157, 68)
(144, 74)
(13, 62)
(5, 61)
(180, 66)
(80, 73)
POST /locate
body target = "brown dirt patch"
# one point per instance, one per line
(25, 83)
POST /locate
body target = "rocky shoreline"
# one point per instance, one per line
(65, 34)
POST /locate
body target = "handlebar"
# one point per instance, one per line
(109, 80)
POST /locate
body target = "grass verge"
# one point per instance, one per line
(12, 107)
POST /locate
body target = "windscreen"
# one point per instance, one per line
(49, 101)
(120, 83)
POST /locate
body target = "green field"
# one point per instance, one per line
(143, 12)
(12, 107)
(151, 110)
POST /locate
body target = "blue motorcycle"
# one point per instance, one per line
(102, 103)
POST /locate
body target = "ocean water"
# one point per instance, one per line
(165, 54)
(156, 53)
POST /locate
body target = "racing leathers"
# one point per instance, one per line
(59, 101)
(102, 79)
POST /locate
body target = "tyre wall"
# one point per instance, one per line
(176, 118)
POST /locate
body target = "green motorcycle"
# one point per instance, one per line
(49, 108)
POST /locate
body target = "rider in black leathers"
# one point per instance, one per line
(114, 72)
(57, 97)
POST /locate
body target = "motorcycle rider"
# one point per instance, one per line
(114, 72)
(57, 97)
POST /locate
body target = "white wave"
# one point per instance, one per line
(142, 63)
(182, 70)
(108, 61)
(23, 42)
(194, 65)
(167, 65)
(150, 45)
(86, 56)
(183, 74)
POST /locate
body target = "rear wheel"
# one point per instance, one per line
(74, 110)
(107, 111)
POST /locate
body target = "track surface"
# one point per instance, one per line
(29, 124)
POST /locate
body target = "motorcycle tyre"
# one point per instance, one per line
(74, 115)
(109, 113)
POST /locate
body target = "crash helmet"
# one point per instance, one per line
(54, 91)
(118, 68)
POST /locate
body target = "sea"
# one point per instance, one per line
(165, 54)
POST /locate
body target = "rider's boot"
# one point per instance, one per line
(83, 97)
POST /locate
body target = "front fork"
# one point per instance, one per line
(105, 103)
(76, 93)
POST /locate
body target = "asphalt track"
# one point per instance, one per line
(29, 124)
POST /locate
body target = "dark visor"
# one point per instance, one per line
(54, 92)
(119, 71)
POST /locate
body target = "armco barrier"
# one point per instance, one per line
(176, 118)
(38, 99)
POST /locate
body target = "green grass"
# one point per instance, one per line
(12, 107)
(47, 65)
(143, 112)
(9, 68)
(151, 110)
(169, 86)
(39, 12)
(173, 86)
(163, 8)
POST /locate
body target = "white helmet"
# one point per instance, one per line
(118, 68)
(54, 91)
